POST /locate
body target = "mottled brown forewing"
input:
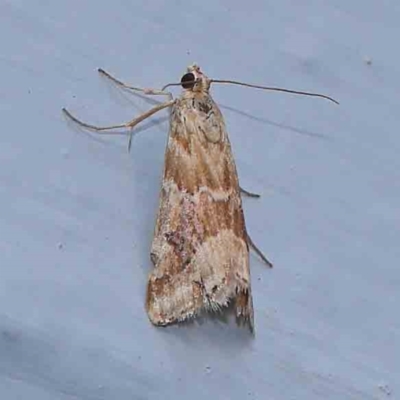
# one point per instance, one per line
(200, 250)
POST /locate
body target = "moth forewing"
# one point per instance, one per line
(200, 250)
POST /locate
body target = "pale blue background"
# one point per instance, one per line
(77, 210)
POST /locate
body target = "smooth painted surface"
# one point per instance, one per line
(77, 210)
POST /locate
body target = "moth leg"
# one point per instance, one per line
(131, 124)
(150, 92)
(249, 194)
(258, 251)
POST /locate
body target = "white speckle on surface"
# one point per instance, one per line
(385, 389)
(368, 60)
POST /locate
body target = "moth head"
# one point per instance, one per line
(194, 80)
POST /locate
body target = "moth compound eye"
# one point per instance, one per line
(187, 80)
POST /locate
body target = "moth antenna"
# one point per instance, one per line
(276, 89)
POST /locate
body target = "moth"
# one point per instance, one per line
(200, 249)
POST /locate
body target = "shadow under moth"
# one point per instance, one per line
(200, 248)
